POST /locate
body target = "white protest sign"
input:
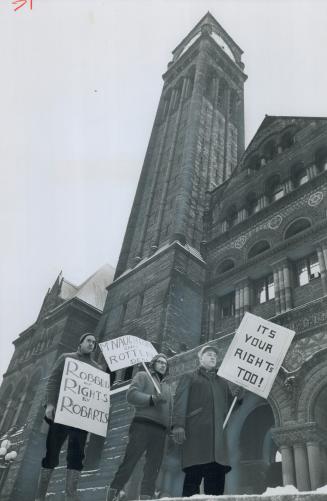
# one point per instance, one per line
(255, 354)
(84, 397)
(125, 351)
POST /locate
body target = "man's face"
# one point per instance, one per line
(88, 344)
(160, 366)
(208, 359)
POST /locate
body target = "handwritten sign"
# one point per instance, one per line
(125, 351)
(255, 354)
(84, 397)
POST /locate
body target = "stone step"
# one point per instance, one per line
(99, 494)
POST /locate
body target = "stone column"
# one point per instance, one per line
(287, 185)
(211, 317)
(301, 467)
(226, 166)
(313, 451)
(215, 85)
(241, 215)
(323, 453)
(281, 290)
(322, 266)
(237, 303)
(287, 285)
(277, 297)
(287, 465)
(246, 296)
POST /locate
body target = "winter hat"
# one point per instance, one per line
(83, 336)
(205, 348)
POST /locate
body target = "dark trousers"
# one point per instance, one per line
(57, 435)
(213, 475)
(143, 437)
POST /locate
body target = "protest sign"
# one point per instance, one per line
(84, 397)
(255, 354)
(125, 351)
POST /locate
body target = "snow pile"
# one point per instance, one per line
(322, 490)
(277, 491)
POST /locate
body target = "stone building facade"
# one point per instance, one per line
(215, 231)
(67, 312)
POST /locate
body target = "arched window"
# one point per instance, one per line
(299, 175)
(296, 227)
(226, 265)
(13, 406)
(232, 216)
(253, 163)
(5, 405)
(258, 248)
(287, 140)
(270, 150)
(321, 160)
(274, 189)
(252, 204)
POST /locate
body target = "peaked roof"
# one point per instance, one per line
(208, 19)
(93, 290)
(275, 123)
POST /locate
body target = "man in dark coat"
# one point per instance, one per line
(148, 429)
(58, 433)
(200, 406)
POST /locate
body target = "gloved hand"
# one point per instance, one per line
(158, 399)
(178, 435)
(50, 412)
(236, 391)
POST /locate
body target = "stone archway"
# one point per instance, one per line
(252, 448)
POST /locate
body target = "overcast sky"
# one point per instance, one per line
(80, 84)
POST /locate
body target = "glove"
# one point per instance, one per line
(49, 412)
(158, 399)
(178, 435)
(236, 391)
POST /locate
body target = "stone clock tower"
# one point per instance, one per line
(196, 141)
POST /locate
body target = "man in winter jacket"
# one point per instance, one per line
(201, 403)
(148, 429)
(58, 433)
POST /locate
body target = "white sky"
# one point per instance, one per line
(80, 84)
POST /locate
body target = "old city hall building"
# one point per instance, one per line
(215, 231)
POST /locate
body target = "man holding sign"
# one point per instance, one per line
(58, 433)
(151, 397)
(200, 406)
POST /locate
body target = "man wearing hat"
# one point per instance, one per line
(58, 433)
(200, 406)
(147, 433)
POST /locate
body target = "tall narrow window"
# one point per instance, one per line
(307, 269)
(227, 305)
(264, 289)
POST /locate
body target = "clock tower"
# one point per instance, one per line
(196, 141)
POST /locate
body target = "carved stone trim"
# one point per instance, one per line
(298, 434)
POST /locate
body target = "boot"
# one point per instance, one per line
(72, 478)
(42, 486)
(115, 495)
